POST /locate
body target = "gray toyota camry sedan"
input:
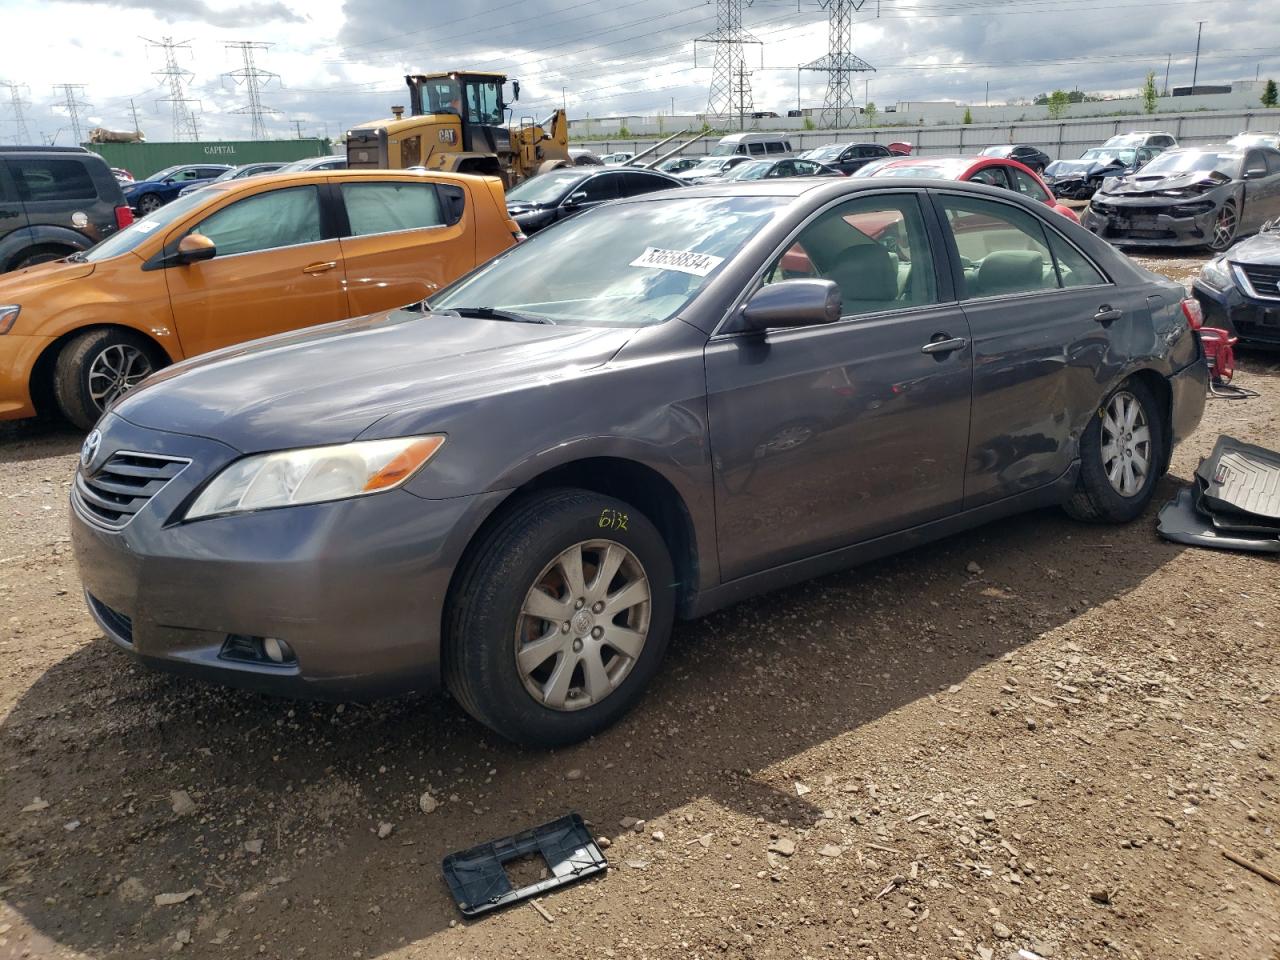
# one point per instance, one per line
(649, 411)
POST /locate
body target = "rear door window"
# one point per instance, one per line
(52, 179)
(775, 148)
(265, 221)
(1003, 250)
(602, 187)
(390, 207)
(636, 183)
(756, 149)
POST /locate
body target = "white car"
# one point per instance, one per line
(616, 159)
(1244, 140)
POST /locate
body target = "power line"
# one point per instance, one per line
(16, 105)
(184, 117)
(71, 102)
(254, 78)
(730, 90)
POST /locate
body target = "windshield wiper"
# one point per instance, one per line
(490, 313)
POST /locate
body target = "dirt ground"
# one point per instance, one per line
(1041, 736)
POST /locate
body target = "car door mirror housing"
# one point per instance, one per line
(792, 303)
(195, 247)
(576, 198)
(1255, 173)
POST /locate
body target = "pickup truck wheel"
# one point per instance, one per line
(95, 368)
(1121, 456)
(559, 618)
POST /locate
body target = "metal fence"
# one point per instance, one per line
(1058, 138)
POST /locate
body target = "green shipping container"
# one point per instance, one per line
(144, 159)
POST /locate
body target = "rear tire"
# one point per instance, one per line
(95, 367)
(149, 203)
(528, 645)
(1120, 462)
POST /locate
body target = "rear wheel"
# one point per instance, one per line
(98, 366)
(41, 255)
(149, 203)
(1121, 456)
(559, 618)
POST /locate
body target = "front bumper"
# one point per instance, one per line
(1151, 222)
(355, 587)
(18, 355)
(1253, 320)
(1072, 188)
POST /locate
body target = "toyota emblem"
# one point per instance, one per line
(89, 449)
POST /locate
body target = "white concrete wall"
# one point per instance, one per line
(1058, 138)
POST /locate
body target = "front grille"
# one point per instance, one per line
(113, 620)
(1264, 279)
(123, 485)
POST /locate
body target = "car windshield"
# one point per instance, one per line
(755, 170)
(725, 149)
(122, 241)
(545, 187)
(711, 163)
(620, 265)
(1189, 161)
(1127, 140)
(996, 152)
(823, 154)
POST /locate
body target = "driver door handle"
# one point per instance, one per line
(1107, 315)
(320, 267)
(940, 348)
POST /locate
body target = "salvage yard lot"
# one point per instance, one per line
(1042, 735)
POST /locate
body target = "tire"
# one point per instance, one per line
(550, 701)
(546, 166)
(149, 203)
(1100, 499)
(1225, 227)
(41, 255)
(82, 383)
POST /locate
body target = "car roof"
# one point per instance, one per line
(35, 148)
(323, 176)
(822, 188)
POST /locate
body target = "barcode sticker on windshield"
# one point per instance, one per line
(685, 261)
(146, 226)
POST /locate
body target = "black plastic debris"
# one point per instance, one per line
(1234, 503)
(478, 878)
(1181, 522)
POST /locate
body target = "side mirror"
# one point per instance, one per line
(792, 303)
(515, 90)
(1255, 173)
(576, 198)
(195, 247)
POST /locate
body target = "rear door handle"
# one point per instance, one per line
(320, 267)
(1107, 315)
(944, 346)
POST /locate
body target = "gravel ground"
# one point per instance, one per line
(1040, 736)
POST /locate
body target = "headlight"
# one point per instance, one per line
(1217, 274)
(314, 475)
(8, 316)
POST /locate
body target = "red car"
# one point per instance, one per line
(994, 171)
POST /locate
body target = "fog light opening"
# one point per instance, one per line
(267, 650)
(277, 651)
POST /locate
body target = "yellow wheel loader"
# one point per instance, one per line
(456, 122)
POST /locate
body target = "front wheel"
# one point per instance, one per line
(149, 203)
(1121, 456)
(96, 367)
(1225, 226)
(559, 618)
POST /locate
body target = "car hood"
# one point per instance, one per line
(331, 383)
(25, 286)
(1262, 248)
(1147, 183)
(1079, 168)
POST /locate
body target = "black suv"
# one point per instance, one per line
(55, 201)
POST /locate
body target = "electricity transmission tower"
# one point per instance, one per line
(72, 104)
(839, 64)
(176, 78)
(730, 85)
(254, 79)
(16, 105)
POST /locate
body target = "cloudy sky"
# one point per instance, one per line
(342, 61)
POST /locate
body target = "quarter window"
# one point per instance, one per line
(1027, 186)
(281, 218)
(52, 180)
(875, 249)
(389, 207)
(636, 183)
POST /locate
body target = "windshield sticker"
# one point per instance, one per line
(146, 226)
(685, 261)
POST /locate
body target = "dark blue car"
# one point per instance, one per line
(146, 196)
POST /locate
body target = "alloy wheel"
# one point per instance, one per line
(118, 368)
(1126, 444)
(149, 204)
(1224, 228)
(583, 625)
